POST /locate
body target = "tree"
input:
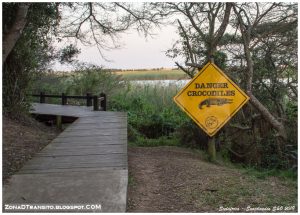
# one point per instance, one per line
(30, 53)
(259, 49)
(203, 28)
(12, 32)
(30, 30)
(92, 23)
(248, 25)
(100, 24)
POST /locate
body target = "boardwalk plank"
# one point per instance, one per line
(84, 170)
(86, 162)
(94, 140)
(70, 188)
(97, 126)
(65, 151)
(64, 146)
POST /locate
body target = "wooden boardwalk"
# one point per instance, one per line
(85, 164)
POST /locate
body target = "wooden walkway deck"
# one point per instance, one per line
(85, 164)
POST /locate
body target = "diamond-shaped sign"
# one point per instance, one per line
(211, 99)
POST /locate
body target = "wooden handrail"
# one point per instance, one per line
(90, 99)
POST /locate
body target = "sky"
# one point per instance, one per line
(136, 52)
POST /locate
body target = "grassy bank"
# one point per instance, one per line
(161, 74)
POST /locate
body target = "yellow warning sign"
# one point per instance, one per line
(211, 99)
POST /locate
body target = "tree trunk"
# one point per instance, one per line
(268, 116)
(246, 35)
(11, 37)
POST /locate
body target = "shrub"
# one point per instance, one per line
(152, 115)
(85, 79)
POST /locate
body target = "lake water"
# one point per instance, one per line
(181, 83)
(178, 83)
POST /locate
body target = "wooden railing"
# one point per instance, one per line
(91, 100)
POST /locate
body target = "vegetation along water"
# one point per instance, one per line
(154, 119)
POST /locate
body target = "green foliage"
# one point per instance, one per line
(152, 115)
(190, 135)
(270, 158)
(93, 79)
(67, 54)
(85, 79)
(31, 53)
(161, 141)
(50, 82)
(257, 171)
(264, 173)
(220, 59)
(131, 181)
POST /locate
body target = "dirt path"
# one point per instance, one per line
(21, 140)
(170, 179)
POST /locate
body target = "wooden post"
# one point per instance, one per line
(59, 122)
(96, 103)
(42, 97)
(211, 148)
(63, 99)
(103, 101)
(89, 99)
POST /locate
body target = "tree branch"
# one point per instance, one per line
(268, 116)
(195, 65)
(223, 26)
(189, 73)
(187, 41)
(259, 18)
(188, 14)
(240, 127)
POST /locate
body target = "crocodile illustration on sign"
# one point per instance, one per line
(215, 101)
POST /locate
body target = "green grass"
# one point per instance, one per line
(263, 174)
(161, 141)
(131, 181)
(242, 190)
(259, 173)
(161, 74)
